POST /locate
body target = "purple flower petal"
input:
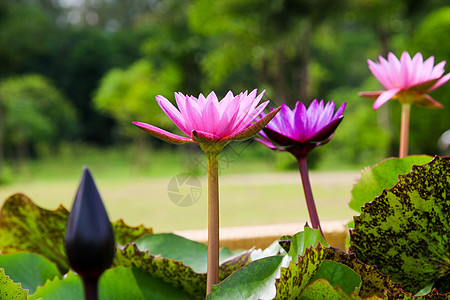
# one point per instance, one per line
(327, 131)
(266, 143)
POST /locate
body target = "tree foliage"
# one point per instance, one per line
(34, 112)
(296, 50)
(130, 94)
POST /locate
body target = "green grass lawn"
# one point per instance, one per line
(252, 192)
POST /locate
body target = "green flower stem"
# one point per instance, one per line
(303, 168)
(90, 289)
(213, 220)
(404, 130)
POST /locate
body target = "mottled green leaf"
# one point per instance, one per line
(254, 281)
(338, 274)
(298, 275)
(10, 290)
(234, 263)
(169, 270)
(405, 231)
(373, 282)
(321, 289)
(171, 246)
(29, 269)
(302, 240)
(384, 175)
(191, 253)
(69, 288)
(402, 295)
(115, 283)
(27, 227)
(125, 234)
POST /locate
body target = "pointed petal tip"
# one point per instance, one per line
(162, 134)
(204, 137)
(255, 127)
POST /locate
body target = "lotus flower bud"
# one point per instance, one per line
(89, 239)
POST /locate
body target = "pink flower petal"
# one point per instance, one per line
(204, 137)
(405, 70)
(379, 72)
(384, 97)
(162, 134)
(440, 82)
(211, 116)
(172, 113)
(254, 128)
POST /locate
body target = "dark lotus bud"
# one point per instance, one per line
(89, 240)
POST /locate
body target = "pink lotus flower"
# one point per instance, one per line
(212, 124)
(408, 80)
(300, 130)
(206, 120)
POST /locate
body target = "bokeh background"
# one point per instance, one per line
(74, 74)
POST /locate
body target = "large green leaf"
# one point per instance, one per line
(171, 246)
(405, 231)
(177, 261)
(297, 244)
(169, 270)
(338, 274)
(31, 270)
(26, 227)
(372, 281)
(382, 176)
(10, 290)
(254, 281)
(126, 234)
(322, 289)
(69, 288)
(298, 275)
(115, 283)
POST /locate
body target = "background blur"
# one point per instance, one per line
(75, 73)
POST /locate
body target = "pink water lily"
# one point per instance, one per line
(300, 130)
(206, 120)
(408, 80)
(212, 124)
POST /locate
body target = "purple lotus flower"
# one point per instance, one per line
(408, 80)
(300, 130)
(206, 120)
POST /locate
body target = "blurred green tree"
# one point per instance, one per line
(261, 44)
(429, 124)
(25, 34)
(129, 95)
(34, 113)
